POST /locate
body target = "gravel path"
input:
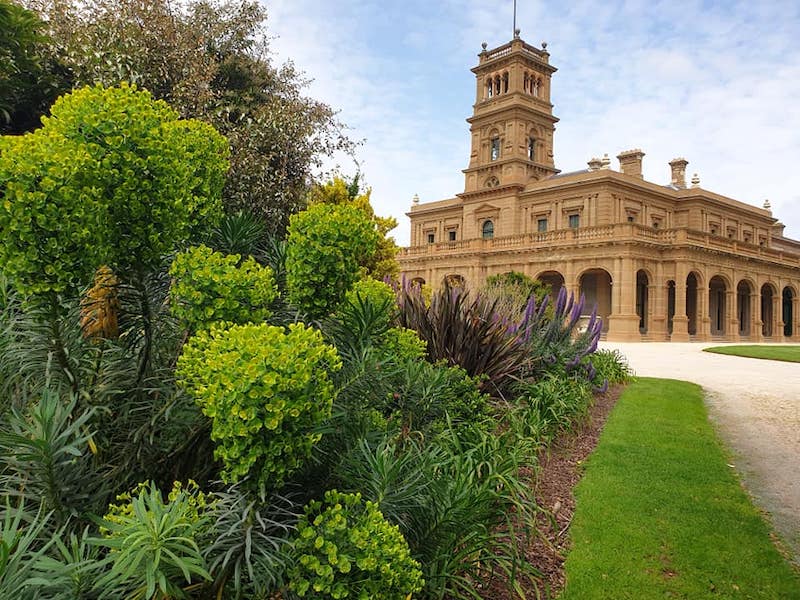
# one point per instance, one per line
(756, 406)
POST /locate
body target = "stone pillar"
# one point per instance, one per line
(570, 284)
(777, 317)
(624, 322)
(755, 318)
(703, 320)
(680, 322)
(659, 301)
(731, 322)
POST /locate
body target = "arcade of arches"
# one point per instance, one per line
(698, 303)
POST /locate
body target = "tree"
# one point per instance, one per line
(29, 79)
(383, 262)
(209, 61)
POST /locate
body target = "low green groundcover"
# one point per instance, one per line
(784, 353)
(661, 514)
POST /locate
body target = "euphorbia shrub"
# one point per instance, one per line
(265, 391)
(346, 549)
(326, 247)
(113, 178)
(209, 286)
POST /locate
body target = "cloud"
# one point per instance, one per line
(716, 83)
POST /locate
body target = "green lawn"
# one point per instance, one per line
(660, 514)
(785, 353)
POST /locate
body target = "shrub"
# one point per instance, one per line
(326, 246)
(400, 344)
(555, 401)
(346, 549)
(113, 177)
(210, 287)
(467, 332)
(155, 543)
(265, 391)
(611, 366)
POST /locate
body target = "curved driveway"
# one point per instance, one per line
(756, 406)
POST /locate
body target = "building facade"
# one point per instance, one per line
(673, 262)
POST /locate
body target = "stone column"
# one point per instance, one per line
(623, 321)
(703, 320)
(680, 322)
(755, 318)
(659, 301)
(777, 317)
(731, 322)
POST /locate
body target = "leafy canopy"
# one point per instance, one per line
(210, 61)
(112, 178)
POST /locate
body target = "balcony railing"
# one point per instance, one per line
(622, 232)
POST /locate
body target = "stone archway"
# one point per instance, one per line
(788, 311)
(553, 279)
(744, 292)
(595, 285)
(455, 280)
(642, 299)
(717, 304)
(767, 312)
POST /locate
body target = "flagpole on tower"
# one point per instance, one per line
(514, 31)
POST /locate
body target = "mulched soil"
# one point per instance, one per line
(560, 469)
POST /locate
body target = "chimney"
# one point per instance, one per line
(630, 162)
(678, 166)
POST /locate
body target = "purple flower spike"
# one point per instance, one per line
(561, 301)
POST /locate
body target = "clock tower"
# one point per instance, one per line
(512, 124)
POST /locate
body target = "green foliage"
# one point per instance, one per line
(29, 78)
(383, 263)
(326, 247)
(155, 544)
(438, 396)
(514, 289)
(44, 456)
(210, 61)
(211, 287)
(402, 345)
(554, 402)
(250, 551)
(113, 177)
(373, 291)
(611, 366)
(240, 233)
(265, 391)
(346, 549)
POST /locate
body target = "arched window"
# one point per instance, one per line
(488, 230)
(525, 81)
(494, 149)
(531, 148)
(489, 88)
(497, 85)
(505, 83)
(536, 84)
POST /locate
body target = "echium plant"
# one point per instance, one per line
(556, 340)
(265, 391)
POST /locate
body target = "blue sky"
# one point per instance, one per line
(715, 83)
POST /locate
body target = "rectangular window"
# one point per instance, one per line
(495, 150)
(430, 238)
(451, 235)
(541, 225)
(574, 221)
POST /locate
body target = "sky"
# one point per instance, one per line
(717, 83)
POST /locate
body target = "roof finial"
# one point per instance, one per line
(695, 181)
(767, 205)
(415, 199)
